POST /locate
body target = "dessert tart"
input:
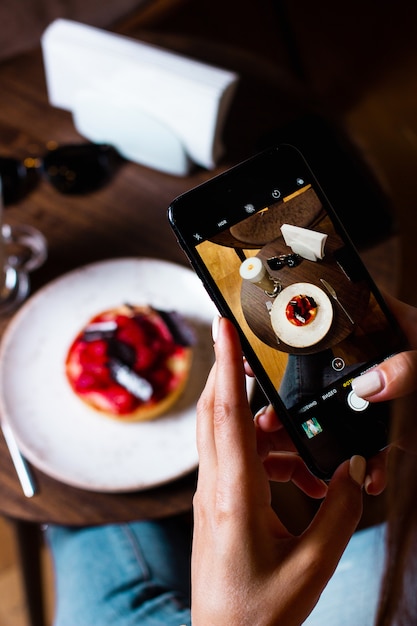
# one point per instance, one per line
(301, 310)
(131, 362)
(301, 315)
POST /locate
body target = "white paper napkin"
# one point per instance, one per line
(307, 243)
(185, 98)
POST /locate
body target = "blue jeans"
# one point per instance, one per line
(139, 573)
(305, 375)
(122, 574)
(352, 594)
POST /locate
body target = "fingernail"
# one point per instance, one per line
(261, 411)
(357, 469)
(368, 384)
(368, 481)
(215, 328)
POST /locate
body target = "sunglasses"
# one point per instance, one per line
(73, 169)
(278, 262)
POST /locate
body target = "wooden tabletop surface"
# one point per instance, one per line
(127, 218)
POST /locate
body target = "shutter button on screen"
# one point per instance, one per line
(356, 403)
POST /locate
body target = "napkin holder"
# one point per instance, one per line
(307, 243)
(156, 107)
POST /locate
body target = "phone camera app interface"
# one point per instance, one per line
(303, 301)
(312, 427)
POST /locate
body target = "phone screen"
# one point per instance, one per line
(276, 259)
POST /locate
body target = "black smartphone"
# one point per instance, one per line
(276, 260)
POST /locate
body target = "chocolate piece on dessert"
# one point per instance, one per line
(180, 330)
(130, 362)
(99, 330)
(121, 351)
(127, 378)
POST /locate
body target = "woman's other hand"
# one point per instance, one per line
(246, 567)
(397, 376)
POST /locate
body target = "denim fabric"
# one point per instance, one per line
(352, 594)
(122, 574)
(138, 573)
(305, 375)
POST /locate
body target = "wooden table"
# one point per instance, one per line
(127, 218)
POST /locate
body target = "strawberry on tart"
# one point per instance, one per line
(131, 362)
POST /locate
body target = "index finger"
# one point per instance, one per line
(232, 417)
(339, 514)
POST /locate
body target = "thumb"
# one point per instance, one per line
(389, 380)
(339, 514)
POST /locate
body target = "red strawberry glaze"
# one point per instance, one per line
(153, 355)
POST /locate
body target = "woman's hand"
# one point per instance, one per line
(397, 376)
(247, 568)
(392, 379)
(272, 437)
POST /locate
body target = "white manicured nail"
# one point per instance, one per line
(260, 412)
(368, 384)
(357, 469)
(215, 328)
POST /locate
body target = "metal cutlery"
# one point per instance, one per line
(335, 297)
(22, 470)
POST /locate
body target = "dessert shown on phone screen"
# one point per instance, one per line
(276, 259)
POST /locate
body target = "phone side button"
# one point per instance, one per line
(356, 403)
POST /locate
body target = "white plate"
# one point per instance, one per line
(302, 336)
(58, 432)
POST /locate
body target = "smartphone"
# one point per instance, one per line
(275, 258)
